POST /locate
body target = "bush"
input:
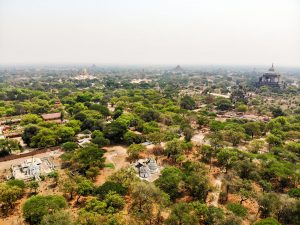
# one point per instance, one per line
(111, 203)
(109, 186)
(158, 150)
(187, 102)
(267, 221)
(100, 141)
(170, 180)
(223, 197)
(9, 195)
(295, 192)
(114, 201)
(19, 183)
(36, 207)
(232, 220)
(69, 146)
(133, 138)
(241, 108)
(134, 151)
(237, 209)
(60, 217)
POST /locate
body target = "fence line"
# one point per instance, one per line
(32, 153)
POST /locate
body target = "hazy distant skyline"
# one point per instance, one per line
(248, 32)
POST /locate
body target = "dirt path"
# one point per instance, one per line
(213, 197)
(198, 138)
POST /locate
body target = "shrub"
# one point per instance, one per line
(222, 197)
(36, 207)
(134, 151)
(267, 221)
(114, 201)
(69, 146)
(60, 217)
(109, 186)
(241, 108)
(133, 138)
(237, 209)
(9, 195)
(19, 183)
(295, 192)
(158, 150)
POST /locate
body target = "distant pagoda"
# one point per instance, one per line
(270, 78)
(178, 68)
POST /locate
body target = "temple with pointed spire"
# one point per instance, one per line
(270, 78)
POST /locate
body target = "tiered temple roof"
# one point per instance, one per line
(146, 167)
(270, 78)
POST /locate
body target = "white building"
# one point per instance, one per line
(32, 168)
(146, 168)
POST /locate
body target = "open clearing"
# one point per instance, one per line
(115, 155)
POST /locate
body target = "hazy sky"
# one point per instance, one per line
(150, 31)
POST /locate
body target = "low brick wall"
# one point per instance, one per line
(32, 153)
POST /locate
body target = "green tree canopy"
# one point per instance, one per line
(169, 181)
(36, 207)
(115, 131)
(187, 102)
(30, 119)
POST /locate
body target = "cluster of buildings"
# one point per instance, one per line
(84, 75)
(10, 128)
(147, 168)
(32, 168)
(17, 131)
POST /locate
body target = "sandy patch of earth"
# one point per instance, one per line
(215, 177)
(199, 139)
(115, 155)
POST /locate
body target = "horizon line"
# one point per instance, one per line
(147, 64)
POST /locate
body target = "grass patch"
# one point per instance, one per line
(294, 193)
(237, 209)
(109, 165)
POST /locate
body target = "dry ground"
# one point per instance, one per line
(115, 155)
